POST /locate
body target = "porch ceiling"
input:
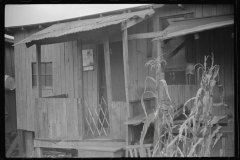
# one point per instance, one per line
(63, 29)
(184, 27)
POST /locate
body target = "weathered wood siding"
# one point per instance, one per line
(119, 107)
(90, 81)
(57, 118)
(24, 93)
(65, 64)
(10, 96)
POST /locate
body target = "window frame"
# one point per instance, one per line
(170, 70)
(45, 75)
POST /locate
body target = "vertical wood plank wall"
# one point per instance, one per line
(64, 58)
(55, 118)
(10, 96)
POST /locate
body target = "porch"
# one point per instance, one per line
(61, 124)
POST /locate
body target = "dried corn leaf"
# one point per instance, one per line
(194, 146)
(216, 119)
(173, 141)
(217, 138)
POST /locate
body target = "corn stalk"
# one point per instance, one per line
(195, 134)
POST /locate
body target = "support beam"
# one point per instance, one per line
(29, 143)
(145, 35)
(108, 80)
(173, 53)
(11, 148)
(132, 22)
(126, 79)
(39, 152)
(20, 142)
(160, 97)
(39, 79)
(81, 116)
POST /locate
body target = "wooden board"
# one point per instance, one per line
(108, 81)
(96, 153)
(133, 68)
(67, 71)
(57, 118)
(71, 77)
(72, 119)
(117, 72)
(45, 143)
(62, 68)
(75, 69)
(119, 118)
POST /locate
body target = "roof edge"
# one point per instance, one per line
(84, 17)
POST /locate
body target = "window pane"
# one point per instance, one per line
(34, 81)
(48, 68)
(34, 69)
(175, 77)
(48, 80)
(43, 68)
(43, 80)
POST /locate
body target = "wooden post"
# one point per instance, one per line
(39, 152)
(81, 116)
(108, 81)
(126, 79)
(223, 147)
(20, 142)
(160, 96)
(39, 78)
(29, 143)
(11, 148)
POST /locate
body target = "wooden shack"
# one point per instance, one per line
(79, 80)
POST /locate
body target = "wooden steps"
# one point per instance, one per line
(54, 143)
(93, 151)
(86, 148)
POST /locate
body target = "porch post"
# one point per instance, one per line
(126, 79)
(108, 81)
(39, 78)
(81, 115)
(160, 96)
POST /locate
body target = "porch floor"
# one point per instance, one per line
(103, 137)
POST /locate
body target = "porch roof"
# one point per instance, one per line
(61, 29)
(184, 27)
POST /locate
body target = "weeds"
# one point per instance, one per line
(195, 137)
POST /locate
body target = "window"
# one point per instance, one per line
(46, 69)
(175, 71)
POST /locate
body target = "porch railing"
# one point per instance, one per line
(58, 118)
(97, 121)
